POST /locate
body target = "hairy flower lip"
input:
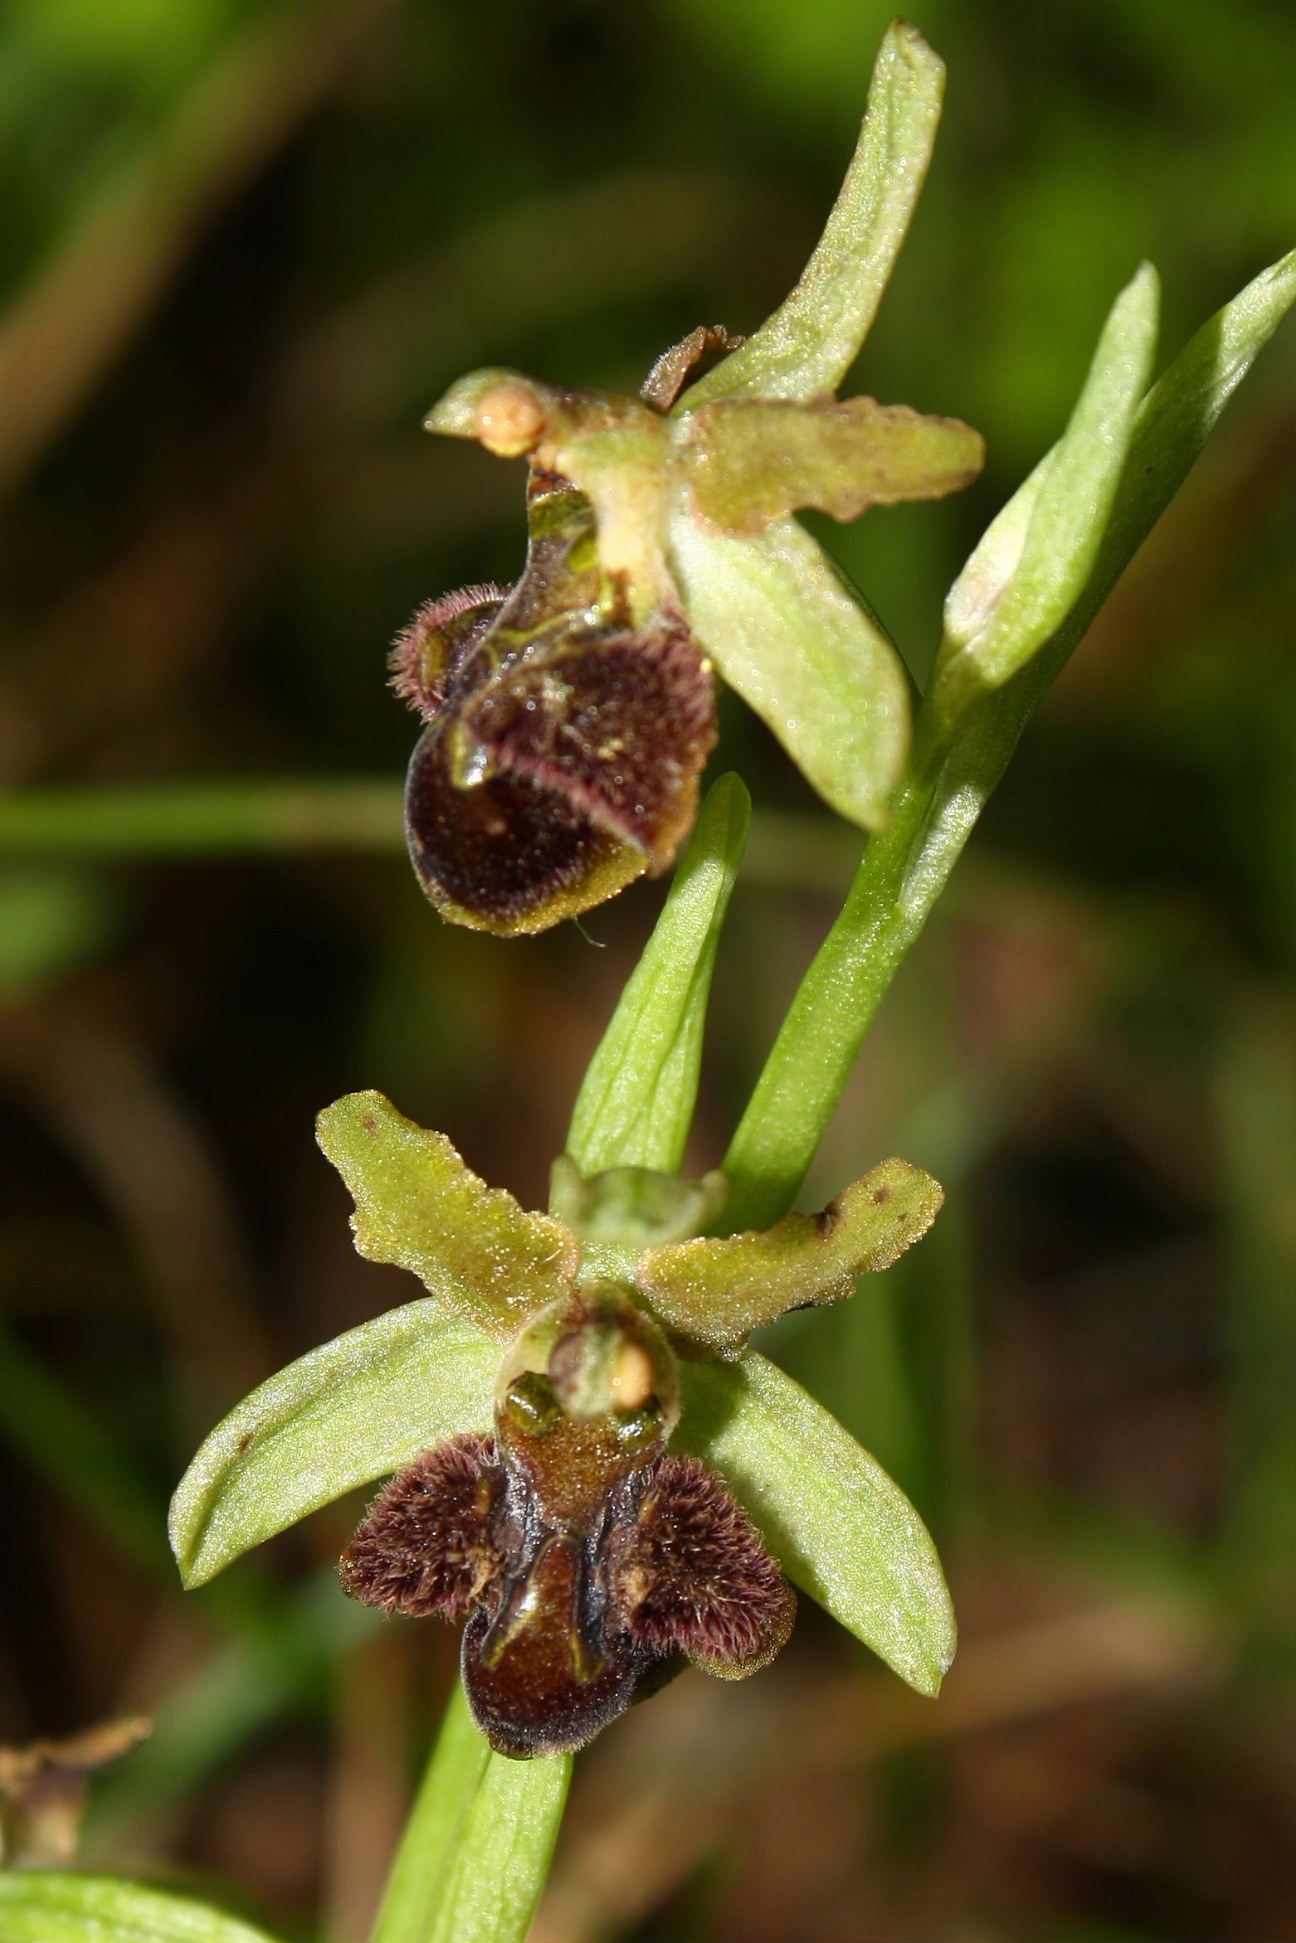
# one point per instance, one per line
(564, 741)
(583, 1556)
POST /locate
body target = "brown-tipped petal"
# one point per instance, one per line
(424, 1546)
(685, 362)
(693, 1576)
(717, 1291)
(429, 652)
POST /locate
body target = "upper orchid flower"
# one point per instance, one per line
(569, 719)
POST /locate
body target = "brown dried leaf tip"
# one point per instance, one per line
(585, 1557)
(43, 1791)
(564, 741)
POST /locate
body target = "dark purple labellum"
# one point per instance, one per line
(563, 746)
(567, 1625)
(587, 1560)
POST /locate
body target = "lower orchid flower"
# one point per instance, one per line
(530, 1410)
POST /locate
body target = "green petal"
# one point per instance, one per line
(350, 1411)
(839, 1526)
(782, 629)
(418, 1206)
(813, 338)
(752, 460)
(1032, 564)
(636, 1101)
(717, 1291)
(52, 1907)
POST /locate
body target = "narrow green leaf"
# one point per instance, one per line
(813, 338)
(1027, 573)
(41, 1906)
(350, 1411)
(476, 1849)
(752, 460)
(718, 1291)
(782, 629)
(636, 1101)
(904, 870)
(1179, 414)
(417, 1205)
(840, 1527)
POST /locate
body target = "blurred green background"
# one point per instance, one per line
(246, 246)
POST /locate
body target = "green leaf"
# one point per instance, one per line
(1179, 414)
(717, 1291)
(636, 1101)
(350, 1411)
(49, 1907)
(904, 870)
(478, 1253)
(1032, 564)
(813, 338)
(752, 460)
(782, 629)
(476, 1849)
(839, 1526)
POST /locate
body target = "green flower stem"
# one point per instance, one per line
(902, 873)
(476, 1849)
(906, 867)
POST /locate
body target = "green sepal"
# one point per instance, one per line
(53, 1906)
(841, 1529)
(774, 616)
(813, 338)
(418, 1206)
(752, 460)
(1031, 566)
(716, 1291)
(635, 1105)
(346, 1413)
